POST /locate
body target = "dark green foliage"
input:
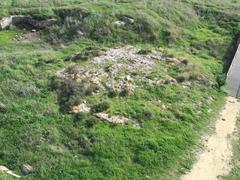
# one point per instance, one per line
(86, 54)
(145, 51)
(103, 106)
(221, 80)
(69, 93)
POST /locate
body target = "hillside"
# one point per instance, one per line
(111, 89)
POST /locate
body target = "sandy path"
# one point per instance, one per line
(214, 161)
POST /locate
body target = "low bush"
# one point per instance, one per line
(72, 69)
(221, 80)
(103, 106)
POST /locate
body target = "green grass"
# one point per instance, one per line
(92, 149)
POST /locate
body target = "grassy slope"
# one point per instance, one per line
(111, 152)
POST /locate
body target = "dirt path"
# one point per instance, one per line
(214, 161)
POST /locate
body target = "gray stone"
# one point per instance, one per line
(26, 169)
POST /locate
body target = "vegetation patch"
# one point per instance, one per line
(159, 71)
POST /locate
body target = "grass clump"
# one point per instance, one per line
(86, 54)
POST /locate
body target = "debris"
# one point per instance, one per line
(9, 172)
(112, 119)
(116, 119)
(80, 108)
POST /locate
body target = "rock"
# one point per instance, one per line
(170, 80)
(112, 119)
(116, 119)
(9, 172)
(80, 33)
(5, 22)
(26, 22)
(26, 169)
(119, 23)
(164, 107)
(80, 108)
(209, 111)
(210, 98)
(3, 108)
(127, 19)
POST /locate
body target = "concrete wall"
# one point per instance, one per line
(233, 76)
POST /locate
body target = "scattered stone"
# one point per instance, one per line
(3, 108)
(26, 169)
(56, 149)
(80, 108)
(42, 139)
(129, 56)
(28, 37)
(210, 98)
(210, 110)
(164, 107)
(223, 119)
(9, 172)
(112, 119)
(80, 33)
(117, 69)
(117, 119)
(127, 19)
(119, 23)
(170, 80)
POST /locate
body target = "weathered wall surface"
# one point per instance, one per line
(5, 22)
(233, 77)
(25, 21)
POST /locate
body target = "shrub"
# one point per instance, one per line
(103, 106)
(147, 114)
(26, 89)
(86, 54)
(182, 78)
(79, 117)
(144, 51)
(221, 80)
(72, 69)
